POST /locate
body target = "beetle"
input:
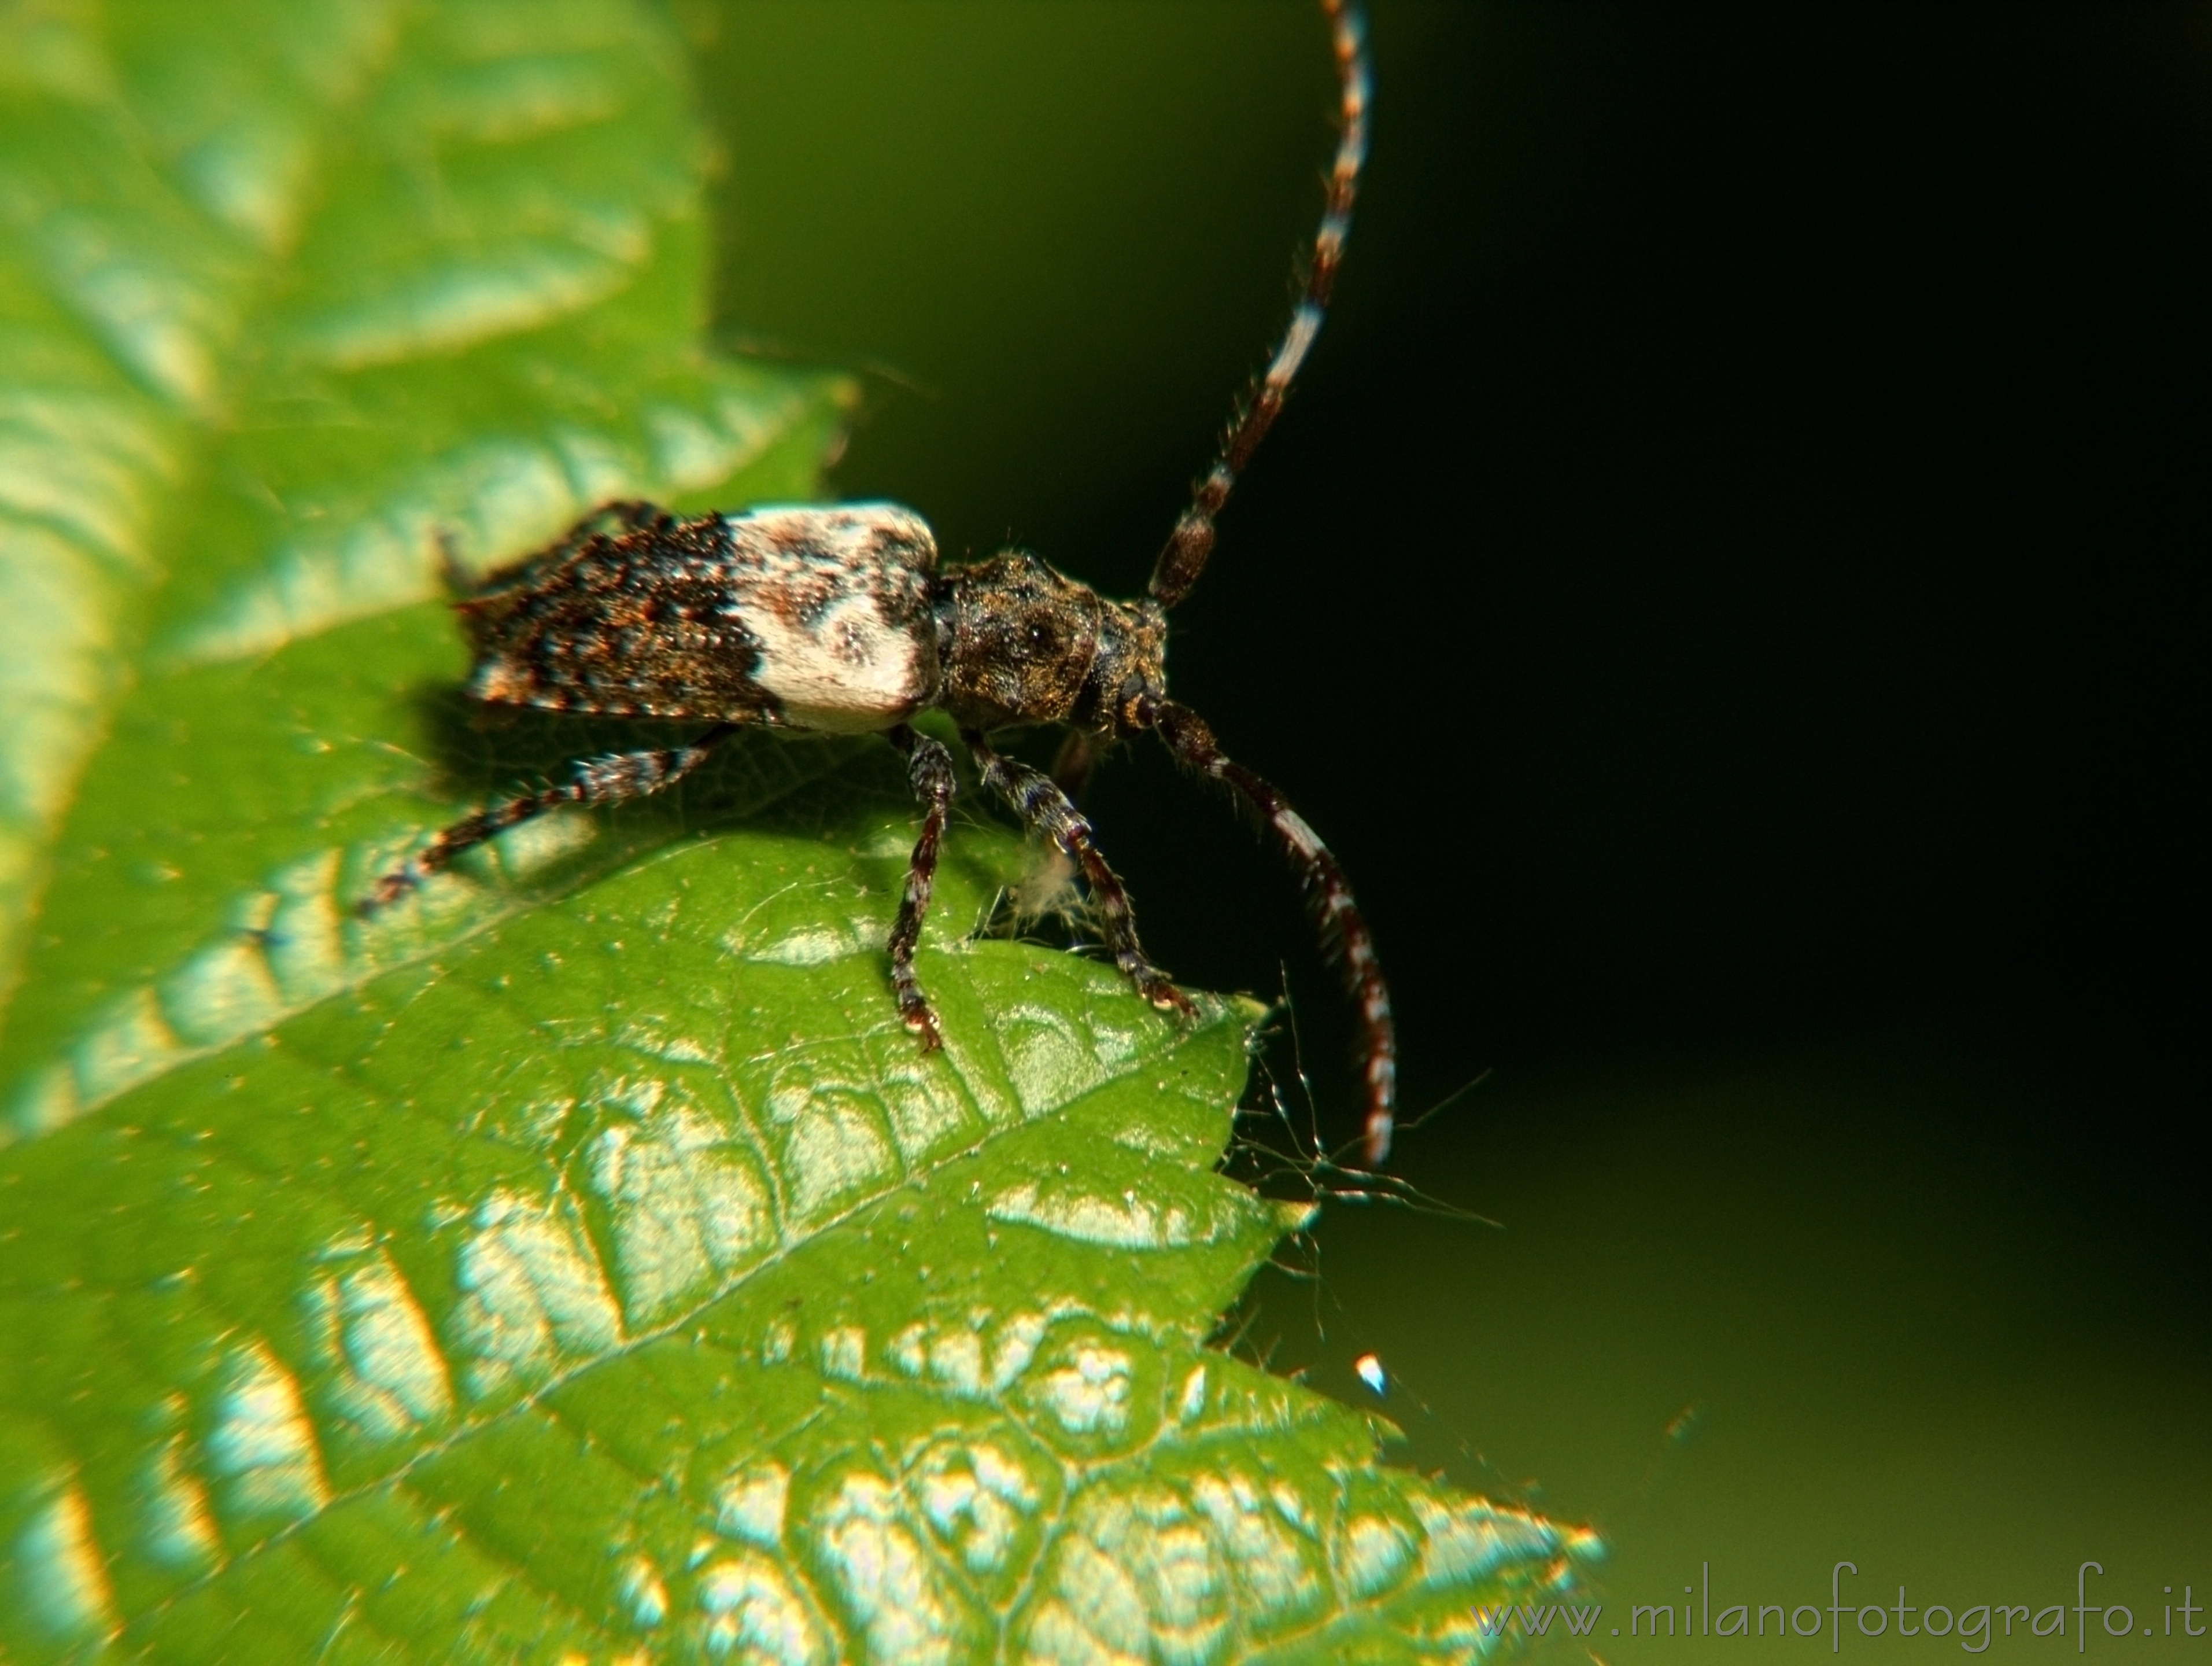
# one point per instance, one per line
(840, 618)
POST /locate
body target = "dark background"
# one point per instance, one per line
(1734, 570)
(1730, 585)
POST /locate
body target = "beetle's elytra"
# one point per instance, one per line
(839, 617)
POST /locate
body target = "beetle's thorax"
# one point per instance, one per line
(1019, 643)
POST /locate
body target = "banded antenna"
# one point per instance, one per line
(1183, 557)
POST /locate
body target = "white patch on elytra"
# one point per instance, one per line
(854, 670)
(837, 599)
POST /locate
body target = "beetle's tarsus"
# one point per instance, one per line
(923, 1022)
(1168, 999)
(400, 882)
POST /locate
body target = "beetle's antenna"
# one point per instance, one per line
(1343, 928)
(1183, 557)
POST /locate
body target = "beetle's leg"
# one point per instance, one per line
(1327, 893)
(1045, 889)
(1043, 807)
(929, 767)
(613, 779)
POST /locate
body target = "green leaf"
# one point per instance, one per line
(579, 1259)
(285, 290)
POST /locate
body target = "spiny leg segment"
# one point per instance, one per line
(1183, 557)
(1328, 893)
(1041, 805)
(929, 768)
(615, 778)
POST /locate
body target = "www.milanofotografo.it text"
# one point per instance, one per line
(1847, 1617)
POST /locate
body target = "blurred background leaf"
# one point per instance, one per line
(578, 1257)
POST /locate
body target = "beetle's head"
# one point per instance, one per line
(1130, 667)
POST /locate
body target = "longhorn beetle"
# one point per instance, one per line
(839, 618)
